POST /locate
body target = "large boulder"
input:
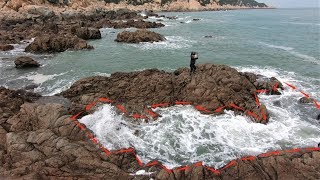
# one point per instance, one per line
(53, 43)
(88, 33)
(139, 36)
(6, 47)
(25, 62)
(212, 86)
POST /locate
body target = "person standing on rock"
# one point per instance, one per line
(194, 57)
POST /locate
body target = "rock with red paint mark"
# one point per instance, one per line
(139, 36)
(212, 86)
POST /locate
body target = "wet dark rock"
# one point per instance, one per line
(212, 86)
(209, 36)
(31, 86)
(6, 47)
(196, 19)
(25, 62)
(139, 36)
(88, 33)
(305, 100)
(53, 43)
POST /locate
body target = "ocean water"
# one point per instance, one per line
(281, 43)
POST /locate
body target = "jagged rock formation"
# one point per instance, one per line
(139, 36)
(212, 86)
(38, 140)
(53, 43)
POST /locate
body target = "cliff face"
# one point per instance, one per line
(157, 5)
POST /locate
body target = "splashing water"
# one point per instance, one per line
(183, 136)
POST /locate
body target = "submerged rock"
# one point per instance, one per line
(305, 100)
(25, 62)
(139, 36)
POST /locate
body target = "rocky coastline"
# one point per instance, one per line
(41, 139)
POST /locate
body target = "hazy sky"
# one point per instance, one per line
(291, 3)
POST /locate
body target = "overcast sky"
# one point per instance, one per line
(291, 3)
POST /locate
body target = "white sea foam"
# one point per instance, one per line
(102, 74)
(171, 42)
(39, 78)
(291, 51)
(182, 135)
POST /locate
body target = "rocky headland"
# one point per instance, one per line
(40, 140)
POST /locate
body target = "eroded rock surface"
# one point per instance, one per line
(212, 86)
(139, 36)
(53, 43)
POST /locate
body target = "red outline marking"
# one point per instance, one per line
(201, 108)
(89, 106)
(183, 103)
(292, 150)
(79, 125)
(151, 113)
(290, 85)
(312, 149)
(273, 153)
(165, 168)
(249, 158)
(121, 108)
(105, 150)
(138, 160)
(305, 94)
(215, 171)
(219, 109)
(92, 138)
(183, 168)
(264, 116)
(153, 163)
(197, 164)
(262, 91)
(257, 99)
(252, 114)
(105, 100)
(235, 106)
(275, 87)
(316, 104)
(74, 117)
(129, 150)
(159, 105)
(231, 163)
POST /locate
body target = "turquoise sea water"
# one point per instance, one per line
(286, 39)
(284, 43)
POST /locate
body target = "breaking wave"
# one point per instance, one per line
(183, 136)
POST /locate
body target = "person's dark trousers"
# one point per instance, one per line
(192, 68)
